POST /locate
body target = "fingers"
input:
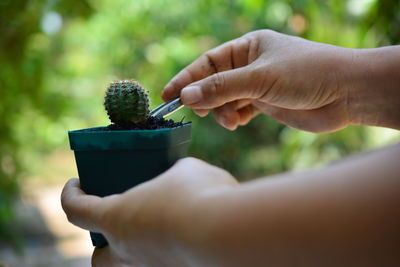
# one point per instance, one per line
(209, 175)
(102, 257)
(324, 119)
(228, 56)
(82, 210)
(234, 114)
(227, 116)
(221, 88)
(201, 112)
(247, 114)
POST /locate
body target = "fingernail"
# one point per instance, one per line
(191, 95)
(202, 113)
(226, 122)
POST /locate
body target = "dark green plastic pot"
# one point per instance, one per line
(111, 162)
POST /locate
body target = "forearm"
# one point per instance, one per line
(346, 214)
(374, 87)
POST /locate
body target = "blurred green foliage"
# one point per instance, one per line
(58, 56)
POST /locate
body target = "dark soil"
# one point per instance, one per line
(151, 123)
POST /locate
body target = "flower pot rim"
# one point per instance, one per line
(91, 129)
(89, 140)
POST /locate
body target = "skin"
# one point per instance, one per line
(306, 85)
(195, 214)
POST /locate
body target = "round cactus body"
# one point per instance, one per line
(126, 101)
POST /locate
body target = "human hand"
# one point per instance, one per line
(300, 83)
(157, 223)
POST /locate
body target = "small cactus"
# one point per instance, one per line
(126, 101)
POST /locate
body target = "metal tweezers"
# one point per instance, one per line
(167, 108)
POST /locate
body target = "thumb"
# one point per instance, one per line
(220, 88)
(81, 209)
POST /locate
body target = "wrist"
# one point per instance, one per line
(374, 87)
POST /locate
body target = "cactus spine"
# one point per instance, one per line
(126, 101)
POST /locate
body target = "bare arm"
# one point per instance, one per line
(343, 215)
(303, 84)
(197, 215)
(374, 93)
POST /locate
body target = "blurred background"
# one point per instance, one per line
(58, 56)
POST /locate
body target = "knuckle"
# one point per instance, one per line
(209, 58)
(212, 53)
(187, 161)
(210, 90)
(65, 203)
(266, 32)
(227, 177)
(216, 85)
(218, 80)
(209, 54)
(186, 166)
(255, 34)
(69, 212)
(249, 37)
(175, 85)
